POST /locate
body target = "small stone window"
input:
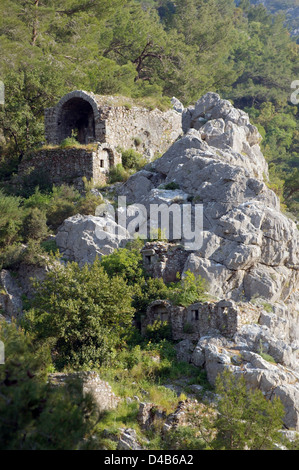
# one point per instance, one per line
(148, 259)
(102, 163)
(195, 315)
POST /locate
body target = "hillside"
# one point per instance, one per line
(290, 8)
(149, 243)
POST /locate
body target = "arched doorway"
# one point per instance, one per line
(76, 119)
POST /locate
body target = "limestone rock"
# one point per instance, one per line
(128, 440)
(148, 414)
(184, 350)
(10, 295)
(83, 238)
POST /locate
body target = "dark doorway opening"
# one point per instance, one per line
(77, 120)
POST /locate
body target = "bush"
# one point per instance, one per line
(125, 263)
(158, 331)
(11, 256)
(132, 160)
(84, 311)
(69, 142)
(49, 246)
(191, 289)
(118, 174)
(62, 205)
(11, 219)
(33, 254)
(35, 416)
(35, 177)
(171, 186)
(35, 225)
(88, 204)
(246, 419)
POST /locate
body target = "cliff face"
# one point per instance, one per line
(250, 249)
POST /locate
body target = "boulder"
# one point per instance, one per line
(184, 350)
(83, 238)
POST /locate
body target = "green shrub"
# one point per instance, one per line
(87, 205)
(62, 205)
(267, 357)
(34, 178)
(11, 219)
(84, 311)
(118, 174)
(191, 289)
(183, 438)
(132, 160)
(158, 331)
(11, 256)
(34, 415)
(69, 142)
(245, 419)
(49, 246)
(35, 225)
(33, 254)
(171, 186)
(38, 200)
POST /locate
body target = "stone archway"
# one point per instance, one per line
(77, 113)
(76, 118)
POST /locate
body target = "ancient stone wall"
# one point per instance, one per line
(201, 319)
(151, 132)
(106, 119)
(164, 260)
(91, 383)
(66, 165)
(69, 114)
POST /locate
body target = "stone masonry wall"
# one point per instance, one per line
(201, 319)
(126, 126)
(150, 131)
(164, 260)
(91, 383)
(66, 165)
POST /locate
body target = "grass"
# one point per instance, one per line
(267, 357)
(67, 143)
(139, 373)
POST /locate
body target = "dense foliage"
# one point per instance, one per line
(81, 317)
(149, 50)
(84, 311)
(34, 415)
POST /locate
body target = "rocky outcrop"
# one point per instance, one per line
(128, 440)
(250, 249)
(249, 254)
(274, 379)
(83, 238)
(10, 296)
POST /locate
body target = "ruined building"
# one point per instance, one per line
(103, 125)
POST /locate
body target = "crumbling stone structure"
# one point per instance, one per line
(90, 383)
(71, 164)
(110, 124)
(201, 319)
(164, 260)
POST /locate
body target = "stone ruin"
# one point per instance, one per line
(201, 319)
(164, 260)
(103, 125)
